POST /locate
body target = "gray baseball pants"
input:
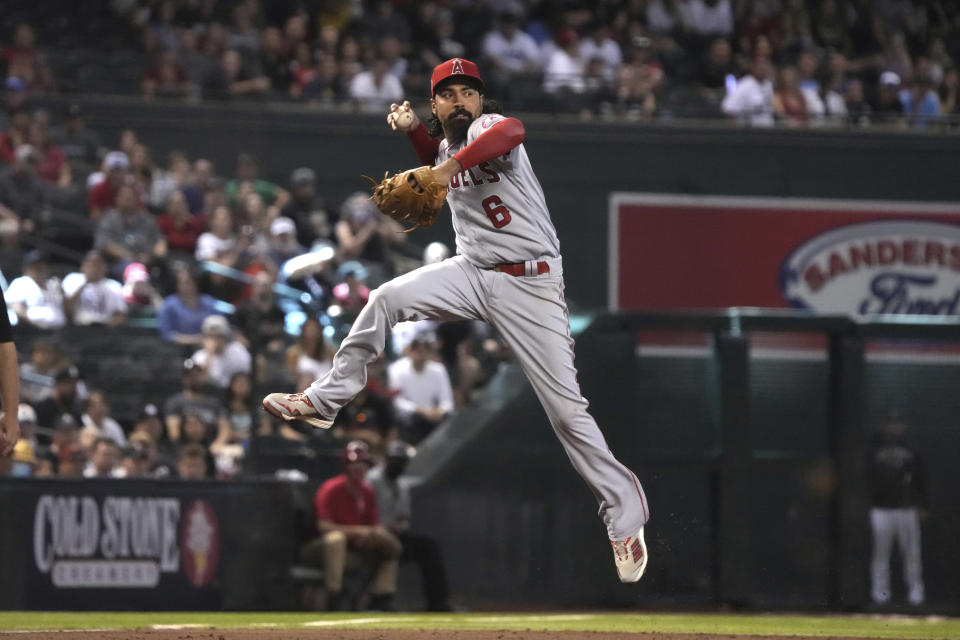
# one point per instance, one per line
(530, 314)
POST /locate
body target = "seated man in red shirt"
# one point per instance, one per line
(351, 533)
(180, 227)
(103, 195)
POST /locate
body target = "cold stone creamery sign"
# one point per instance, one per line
(123, 542)
(878, 267)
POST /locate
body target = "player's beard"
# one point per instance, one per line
(454, 128)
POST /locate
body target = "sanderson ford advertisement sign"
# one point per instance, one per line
(877, 267)
(841, 257)
(91, 546)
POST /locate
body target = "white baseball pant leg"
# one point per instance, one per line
(882, 525)
(908, 531)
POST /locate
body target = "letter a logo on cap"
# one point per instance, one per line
(455, 68)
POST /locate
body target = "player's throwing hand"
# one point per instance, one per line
(402, 117)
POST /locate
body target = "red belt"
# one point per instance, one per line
(520, 268)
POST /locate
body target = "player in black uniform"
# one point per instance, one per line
(9, 384)
(898, 500)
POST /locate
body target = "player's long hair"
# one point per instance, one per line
(435, 128)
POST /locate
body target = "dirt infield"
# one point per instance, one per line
(372, 634)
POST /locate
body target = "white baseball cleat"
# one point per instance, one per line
(631, 557)
(295, 406)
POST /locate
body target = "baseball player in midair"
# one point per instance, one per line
(508, 272)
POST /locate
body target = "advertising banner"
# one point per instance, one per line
(88, 545)
(132, 544)
(857, 258)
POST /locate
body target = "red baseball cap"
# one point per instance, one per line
(455, 68)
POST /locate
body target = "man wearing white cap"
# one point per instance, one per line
(887, 106)
(104, 194)
(283, 241)
(221, 355)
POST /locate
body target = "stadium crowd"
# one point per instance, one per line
(249, 285)
(795, 62)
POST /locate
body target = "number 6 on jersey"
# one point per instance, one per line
(497, 211)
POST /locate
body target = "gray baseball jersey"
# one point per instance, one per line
(499, 212)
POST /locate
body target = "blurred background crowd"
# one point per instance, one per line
(795, 62)
(155, 304)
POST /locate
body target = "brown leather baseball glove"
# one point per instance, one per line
(413, 196)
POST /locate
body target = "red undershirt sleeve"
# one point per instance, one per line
(494, 142)
(425, 146)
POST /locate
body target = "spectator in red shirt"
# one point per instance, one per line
(52, 165)
(789, 105)
(179, 226)
(350, 533)
(26, 62)
(304, 69)
(16, 135)
(103, 195)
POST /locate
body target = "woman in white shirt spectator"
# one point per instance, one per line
(220, 238)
